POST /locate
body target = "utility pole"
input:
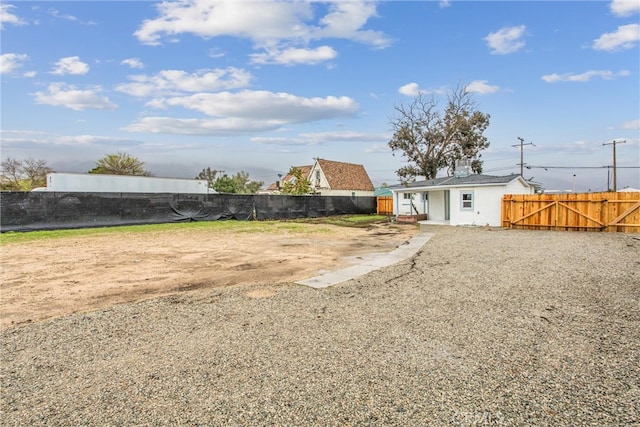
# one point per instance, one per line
(521, 145)
(622, 141)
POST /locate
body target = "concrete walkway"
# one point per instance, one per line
(369, 263)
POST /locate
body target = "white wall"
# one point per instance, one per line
(436, 206)
(323, 179)
(516, 187)
(402, 206)
(487, 206)
(101, 183)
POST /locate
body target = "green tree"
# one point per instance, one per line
(432, 140)
(209, 175)
(120, 164)
(23, 175)
(298, 186)
(240, 183)
(226, 184)
(245, 184)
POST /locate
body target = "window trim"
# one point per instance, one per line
(469, 201)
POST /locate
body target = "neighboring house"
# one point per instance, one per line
(331, 178)
(458, 200)
(276, 186)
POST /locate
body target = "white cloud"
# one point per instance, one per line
(276, 26)
(177, 126)
(338, 136)
(6, 17)
(624, 7)
(93, 140)
(63, 95)
(346, 20)
(260, 22)
(70, 65)
(243, 112)
(506, 40)
(133, 63)
(583, 77)
(633, 125)
(56, 14)
(266, 106)
(173, 82)
(378, 148)
(445, 3)
(280, 141)
(316, 138)
(481, 87)
(411, 89)
(10, 62)
(215, 52)
(625, 37)
(30, 74)
(293, 56)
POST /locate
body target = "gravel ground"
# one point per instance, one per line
(482, 327)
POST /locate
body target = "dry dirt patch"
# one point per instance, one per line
(53, 278)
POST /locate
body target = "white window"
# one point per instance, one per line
(425, 197)
(407, 196)
(466, 200)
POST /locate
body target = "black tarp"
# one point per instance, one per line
(24, 211)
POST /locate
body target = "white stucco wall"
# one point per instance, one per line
(516, 187)
(487, 203)
(486, 206)
(402, 206)
(436, 206)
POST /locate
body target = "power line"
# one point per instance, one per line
(582, 167)
(522, 144)
(615, 183)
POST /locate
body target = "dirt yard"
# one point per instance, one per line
(55, 277)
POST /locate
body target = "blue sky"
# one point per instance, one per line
(264, 85)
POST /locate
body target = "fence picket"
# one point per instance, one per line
(610, 211)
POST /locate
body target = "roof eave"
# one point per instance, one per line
(446, 186)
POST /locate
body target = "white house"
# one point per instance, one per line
(458, 200)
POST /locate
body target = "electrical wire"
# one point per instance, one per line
(581, 167)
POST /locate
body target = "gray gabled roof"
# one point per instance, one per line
(456, 181)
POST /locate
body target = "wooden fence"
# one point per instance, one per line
(385, 205)
(573, 211)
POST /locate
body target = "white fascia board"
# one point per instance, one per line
(447, 187)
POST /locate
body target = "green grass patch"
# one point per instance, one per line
(347, 220)
(294, 226)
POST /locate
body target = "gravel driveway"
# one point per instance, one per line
(482, 327)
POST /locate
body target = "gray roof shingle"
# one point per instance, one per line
(450, 181)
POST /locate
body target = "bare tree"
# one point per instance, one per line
(208, 174)
(11, 174)
(23, 175)
(432, 140)
(36, 171)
